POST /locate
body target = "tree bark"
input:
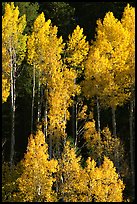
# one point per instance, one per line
(39, 99)
(13, 99)
(74, 118)
(46, 115)
(33, 98)
(76, 125)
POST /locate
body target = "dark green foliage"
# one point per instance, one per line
(61, 15)
(31, 10)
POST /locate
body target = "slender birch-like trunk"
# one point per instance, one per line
(46, 115)
(13, 99)
(98, 121)
(132, 146)
(76, 124)
(39, 99)
(33, 98)
(65, 121)
(98, 114)
(46, 119)
(74, 118)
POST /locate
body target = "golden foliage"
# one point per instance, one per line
(35, 184)
(104, 144)
(103, 182)
(106, 69)
(77, 49)
(73, 188)
(13, 45)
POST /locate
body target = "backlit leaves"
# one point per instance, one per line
(35, 184)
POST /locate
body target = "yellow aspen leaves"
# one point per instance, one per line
(103, 182)
(12, 29)
(106, 66)
(5, 89)
(77, 49)
(35, 183)
(13, 44)
(128, 22)
(103, 144)
(74, 184)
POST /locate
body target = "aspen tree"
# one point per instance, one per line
(128, 22)
(96, 76)
(103, 144)
(106, 65)
(114, 45)
(35, 58)
(76, 52)
(35, 183)
(73, 186)
(110, 50)
(14, 43)
(44, 51)
(103, 182)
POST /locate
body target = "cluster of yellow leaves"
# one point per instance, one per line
(100, 184)
(12, 29)
(77, 49)
(13, 44)
(44, 52)
(5, 75)
(107, 69)
(35, 183)
(103, 144)
(104, 184)
(33, 179)
(73, 188)
(128, 22)
(5, 89)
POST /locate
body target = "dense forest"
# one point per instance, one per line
(68, 101)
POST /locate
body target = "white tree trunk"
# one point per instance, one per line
(39, 99)
(76, 125)
(46, 115)
(13, 100)
(74, 118)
